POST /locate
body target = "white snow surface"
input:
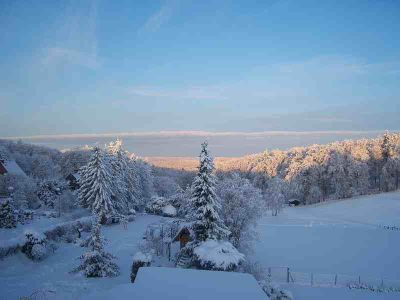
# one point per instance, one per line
(140, 256)
(13, 168)
(221, 254)
(154, 283)
(337, 237)
(169, 211)
(20, 276)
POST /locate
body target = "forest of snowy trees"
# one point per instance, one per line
(320, 172)
(310, 174)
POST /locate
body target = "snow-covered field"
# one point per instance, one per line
(339, 237)
(20, 276)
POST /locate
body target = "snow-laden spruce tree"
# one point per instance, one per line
(7, 217)
(95, 191)
(207, 221)
(96, 262)
(119, 172)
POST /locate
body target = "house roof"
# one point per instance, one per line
(12, 167)
(154, 283)
(184, 226)
(76, 175)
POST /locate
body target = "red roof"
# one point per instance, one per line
(2, 168)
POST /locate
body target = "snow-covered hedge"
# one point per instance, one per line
(217, 255)
(10, 247)
(373, 288)
(66, 232)
(69, 231)
(139, 260)
(274, 292)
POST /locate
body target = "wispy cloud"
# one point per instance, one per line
(191, 92)
(74, 40)
(55, 56)
(160, 17)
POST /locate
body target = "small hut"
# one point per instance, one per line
(184, 235)
(294, 202)
(73, 180)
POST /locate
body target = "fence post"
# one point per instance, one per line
(312, 279)
(287, 275)
(382, 283)
(335, 279)
(359, 280)
(269, 272)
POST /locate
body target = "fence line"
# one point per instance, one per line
(287, 275)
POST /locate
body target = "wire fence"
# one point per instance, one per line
(287, 275)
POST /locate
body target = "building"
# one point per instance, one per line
(10, 166)
(185, 234)
(73, 180)
(155, 283)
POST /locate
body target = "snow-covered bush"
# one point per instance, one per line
(169, 211)
(139, 260)
(36, 245)
(7, 215)
(217, 255)
(156, 205)
(96, 262)
(274, 292)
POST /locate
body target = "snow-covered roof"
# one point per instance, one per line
(184, 225)
(13, 168)
(154, 283)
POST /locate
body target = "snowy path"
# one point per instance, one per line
(20, 276)
(339, 237)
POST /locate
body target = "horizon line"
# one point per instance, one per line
(171, 133)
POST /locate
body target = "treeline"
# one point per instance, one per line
(46, 170)
(320, 172)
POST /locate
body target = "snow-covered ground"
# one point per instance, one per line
(339, 237)
(20, 276)
(182, 284)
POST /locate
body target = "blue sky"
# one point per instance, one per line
(118, 66)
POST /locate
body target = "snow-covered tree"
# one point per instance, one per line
(7, 217)
(23, 191)
(275, 195)
(118, 162)
(242, 206)
(96, 262)
(95, 191)
(144, 180)
(207, 221)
